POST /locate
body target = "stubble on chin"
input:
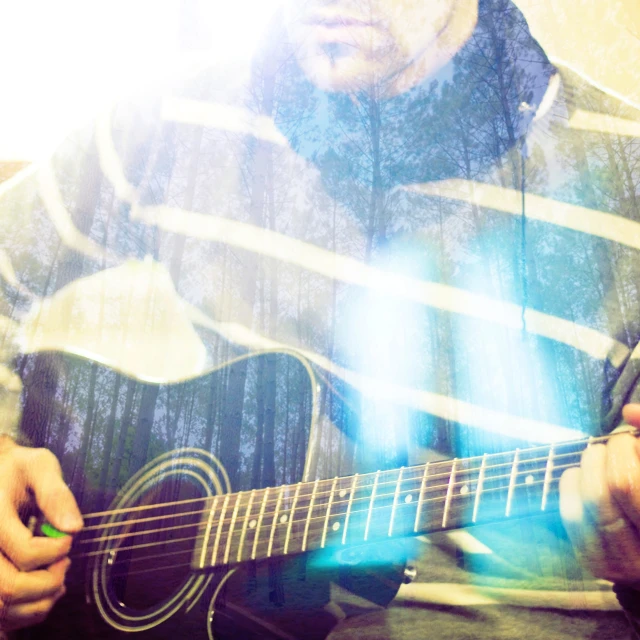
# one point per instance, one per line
(345, 73)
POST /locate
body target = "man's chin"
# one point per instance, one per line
(343, 74)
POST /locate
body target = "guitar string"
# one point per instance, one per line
(226, 539)
(241, 519)
(432, 465)
(437, 500)
(393, 482)
(442, 487)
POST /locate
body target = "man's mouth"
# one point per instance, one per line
(338, 21)
(342, 22)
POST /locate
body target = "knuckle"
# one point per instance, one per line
(569, 480)
(45, 457)
(25, 560)
(621, 487)
(57, 583)
(7, 591)
(42, 609)
(45, 606)
(591, 455)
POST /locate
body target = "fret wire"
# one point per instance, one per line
(401, 492)
(349, 504)
(234, 516)
(476, 502)
(326, 519)
(395, 501)
(559, 467)
(317, 523)
(182, 539)
(576, 443)
(373, 496)
(259, 523)
(421, 497)
(547, 475)
(512, 478)
(291, 518)
(460, 471)
(275, 520)
(214, 555)
(524, 485)
(463, 508)
(447, 501)
(224, 521)
(437, 500)
(207, 533)
(470, 470)
(245, 524)
(306, 526)
(432, 489)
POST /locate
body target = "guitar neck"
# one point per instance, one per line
(458, 493)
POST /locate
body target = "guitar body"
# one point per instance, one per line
(126, 446)
(293, 599)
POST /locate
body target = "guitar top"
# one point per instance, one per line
(174, 533)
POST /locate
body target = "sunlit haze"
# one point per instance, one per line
(63, 60)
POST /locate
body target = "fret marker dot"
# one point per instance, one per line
(343, 493)
(529, 479)
(284, 518)
(464, 489)
(408, 499)
(336, 526)
(252, 524)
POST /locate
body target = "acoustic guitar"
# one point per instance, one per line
(179, 552)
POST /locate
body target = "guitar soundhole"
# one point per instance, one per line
(153, 559)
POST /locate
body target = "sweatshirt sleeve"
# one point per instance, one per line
(39, 212)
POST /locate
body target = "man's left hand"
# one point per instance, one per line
(600, 505)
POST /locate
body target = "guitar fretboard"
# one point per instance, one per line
(293, 519)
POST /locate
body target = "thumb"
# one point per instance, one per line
(53, 497)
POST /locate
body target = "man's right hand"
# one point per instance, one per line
(32, 568)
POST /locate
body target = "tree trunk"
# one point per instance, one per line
(108, 444)
(210, 424)
(270, 377)
(64, 425)
(256, 472)
(81, 460)
(125, 427)
(285, 440)
(144, 425)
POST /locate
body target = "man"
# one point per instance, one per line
(378, 196)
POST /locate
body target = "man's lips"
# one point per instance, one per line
(338, 21)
